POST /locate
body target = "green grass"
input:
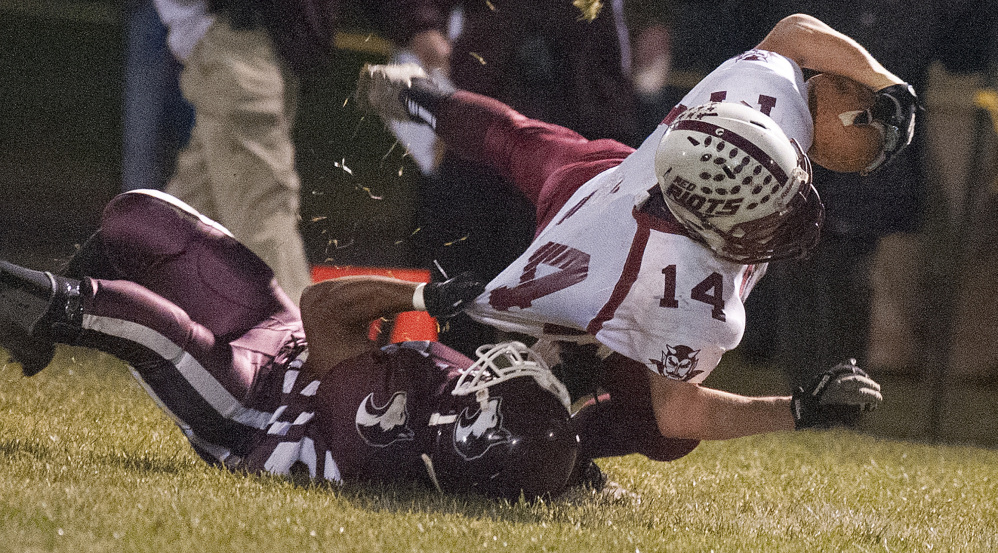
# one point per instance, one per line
(88, 463)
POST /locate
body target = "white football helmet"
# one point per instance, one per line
(738, 184)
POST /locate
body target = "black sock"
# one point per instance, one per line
(28, 296)
(36, 283)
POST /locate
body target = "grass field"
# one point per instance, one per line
(89, 463)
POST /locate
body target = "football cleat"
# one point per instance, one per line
(35, 307)
(587, 474)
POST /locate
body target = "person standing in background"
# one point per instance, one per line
(156, 118)
(241, 64)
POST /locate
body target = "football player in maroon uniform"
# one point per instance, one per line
(257, 385)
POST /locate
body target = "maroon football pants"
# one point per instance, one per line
(197, 316)
(622, 421)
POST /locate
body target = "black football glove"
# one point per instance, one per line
(835, 397)
(448, 298)
(893, 113)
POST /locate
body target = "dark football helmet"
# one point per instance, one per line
(504, 430)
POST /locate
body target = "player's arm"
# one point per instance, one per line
(838, 396)
(816, 46)
(685, 410)
(336, 313)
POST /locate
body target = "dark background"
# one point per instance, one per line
(61, 81)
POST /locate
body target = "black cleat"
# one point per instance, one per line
(32, 304)
(587, 474)
(33, 354)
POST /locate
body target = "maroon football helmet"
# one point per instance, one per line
(505, 428)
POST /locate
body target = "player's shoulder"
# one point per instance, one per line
(765, 59)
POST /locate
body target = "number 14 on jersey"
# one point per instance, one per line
(709, 291)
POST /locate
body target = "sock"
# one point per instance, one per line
(28, 296)
(25, 295)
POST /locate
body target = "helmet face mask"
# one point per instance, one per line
(505, 429)
(738, 184)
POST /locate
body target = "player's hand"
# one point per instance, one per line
(448, 298)
(835, 397)
(380, 87)
(893, 113)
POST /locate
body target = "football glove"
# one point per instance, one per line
(835, 397)
(400, 92)
(448, 298)
(893, 113)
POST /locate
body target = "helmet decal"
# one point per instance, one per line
(475, 434)
(382, 426)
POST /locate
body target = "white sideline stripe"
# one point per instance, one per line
(307, 455)
(289, 381)
(279, 428)
(311, 388)
(277, 414)
(199, 378)
(284, 455)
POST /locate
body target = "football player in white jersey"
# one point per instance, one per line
(649, 253)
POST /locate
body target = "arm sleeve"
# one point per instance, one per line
(524, 150)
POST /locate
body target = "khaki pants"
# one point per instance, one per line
(239, 167)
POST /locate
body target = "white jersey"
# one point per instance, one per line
(612, 265)
(765, 81)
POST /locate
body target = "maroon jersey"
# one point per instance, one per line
(367, 418)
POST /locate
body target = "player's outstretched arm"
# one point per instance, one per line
(837, 397)
(691, 411)
(814, 45)
(336, 313)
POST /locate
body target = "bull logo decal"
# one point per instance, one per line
(381, 426)
(475, 434)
